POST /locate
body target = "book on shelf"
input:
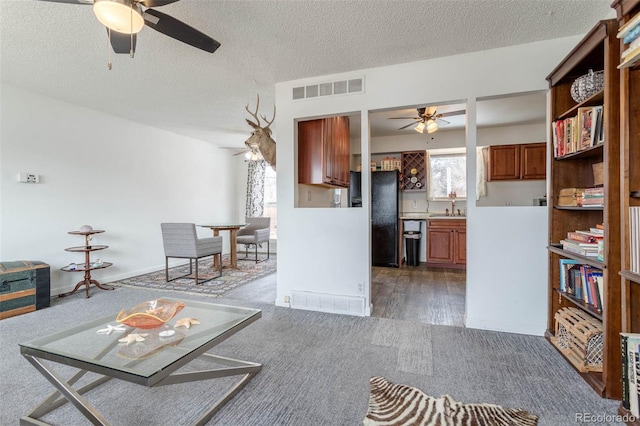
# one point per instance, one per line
(565, 267)
(585, 134)
(634, 239)
(583, 237)
(630, 354)
(632, 34)
(570, 197)
(628, 26)
(583, 249)
(630, 50)
(573, 134)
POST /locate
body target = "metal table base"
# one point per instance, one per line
(66, 392)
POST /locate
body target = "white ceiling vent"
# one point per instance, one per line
(342, 87)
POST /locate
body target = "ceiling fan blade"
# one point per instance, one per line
(85, 2)
(452, 113)
(174, 28)
(442, 122)
(410, 124)
(156, 3)
(242, 152)
(121, 43)
(405, 118)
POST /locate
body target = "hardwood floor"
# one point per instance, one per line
(411, 293)
(419, 294)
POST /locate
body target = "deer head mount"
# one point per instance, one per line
(260, 139)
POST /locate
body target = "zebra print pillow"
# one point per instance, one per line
(391, 404)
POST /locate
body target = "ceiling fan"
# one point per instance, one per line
(125, 18)
(428, 119)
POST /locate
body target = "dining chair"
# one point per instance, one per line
(181, 240)
(255, 233)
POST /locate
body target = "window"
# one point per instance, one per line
(447, 173)
(270, 199)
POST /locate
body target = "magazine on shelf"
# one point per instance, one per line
(630, 354)
(634, 239)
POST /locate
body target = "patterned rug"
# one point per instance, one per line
(398, 405)
(231, 278)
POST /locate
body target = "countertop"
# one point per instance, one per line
(425, 216)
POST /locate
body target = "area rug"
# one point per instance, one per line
(247, 272)
(391, 404)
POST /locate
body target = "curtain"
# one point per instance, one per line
(255, 189)
(427, 166)
(481, 171)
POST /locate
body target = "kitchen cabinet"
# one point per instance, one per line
(323, 152)
(518, 161)
(447, 243)
(533, 161)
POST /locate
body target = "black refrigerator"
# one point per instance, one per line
(384, 214)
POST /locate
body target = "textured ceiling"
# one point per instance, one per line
(60, 50)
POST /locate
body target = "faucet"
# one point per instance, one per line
(453, 207)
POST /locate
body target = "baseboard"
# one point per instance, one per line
(331, 303)
(507, 327)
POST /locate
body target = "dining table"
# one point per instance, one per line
(233, 232)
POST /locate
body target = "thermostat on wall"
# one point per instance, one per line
(28, 178)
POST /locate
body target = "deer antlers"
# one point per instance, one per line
(255, 115)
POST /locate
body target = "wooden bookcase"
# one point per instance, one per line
(598, 50)
(630, 175)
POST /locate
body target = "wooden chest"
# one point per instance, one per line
(24, 287)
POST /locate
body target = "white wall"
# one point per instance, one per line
(107, 172)
(326, 251)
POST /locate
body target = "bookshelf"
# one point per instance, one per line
(598, 50)
(626, 10)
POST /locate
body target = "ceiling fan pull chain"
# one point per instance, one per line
(109, 64)
(131, 38)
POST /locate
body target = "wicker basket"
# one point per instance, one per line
(579, 337)
(587, 85)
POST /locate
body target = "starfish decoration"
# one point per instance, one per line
(186, 322)
(111, 328)
(133, 337)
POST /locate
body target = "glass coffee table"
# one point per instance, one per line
(94, 346)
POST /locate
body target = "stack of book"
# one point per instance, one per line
(630, 35)
(573, 134)
(630, 351)
(584, 243)
(583, 282)
(570, 197)
(634, 239)
(593, 197)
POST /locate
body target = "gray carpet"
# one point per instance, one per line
(316, 369)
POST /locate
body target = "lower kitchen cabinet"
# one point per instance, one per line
(447, 243)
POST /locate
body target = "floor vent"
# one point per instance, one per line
(332, 303)
(342, 87)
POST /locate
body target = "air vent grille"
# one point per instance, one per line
(342, 87)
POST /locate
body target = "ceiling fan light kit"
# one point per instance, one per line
(119, 15)
(432, 126)
(428, 119)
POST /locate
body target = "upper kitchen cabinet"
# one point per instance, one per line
(515, 162)
(323, 152)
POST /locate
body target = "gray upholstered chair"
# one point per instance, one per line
(181, 240)
(254, 234)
